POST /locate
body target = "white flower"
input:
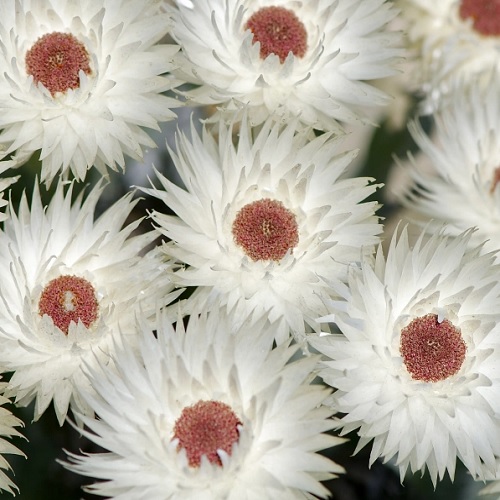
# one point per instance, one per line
(80, 79)
(463, 189)
(453, 39)
(8, 423)
(262, 224)
(316, 70)
(416, 370)
(208, 413)
(70, 290)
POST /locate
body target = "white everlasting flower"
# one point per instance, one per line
(208, 413)
(416, 369)
(8, 424)
(262, 224)
(70, 290)
(463, 188)
(452, 39)
(286, 58)
(80, 79)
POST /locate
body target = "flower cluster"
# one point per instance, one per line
(225, 341)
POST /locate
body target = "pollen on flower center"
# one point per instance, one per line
(204, 428)
(69, 298)
(485, 15)
(279, 32)
(432, 351)
(265, 229)
(55, 60)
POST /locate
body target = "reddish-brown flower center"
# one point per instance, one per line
(69, 298)
(265, 229)
(485, 15)
(204, 428)
(279, 32)
(55, 60)
(432, 351)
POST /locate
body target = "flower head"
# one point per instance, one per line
(416, 370)
(208, 412)
(465, 159)
(290, 59)
(453, 39)
(80, 80)
(262, 226)
(70, 288)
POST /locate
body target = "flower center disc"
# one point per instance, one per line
(204, 428)
(55, 60)
(69, 298)
(432, 351)
(265, 229)
(279, 32)
(485, 15)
